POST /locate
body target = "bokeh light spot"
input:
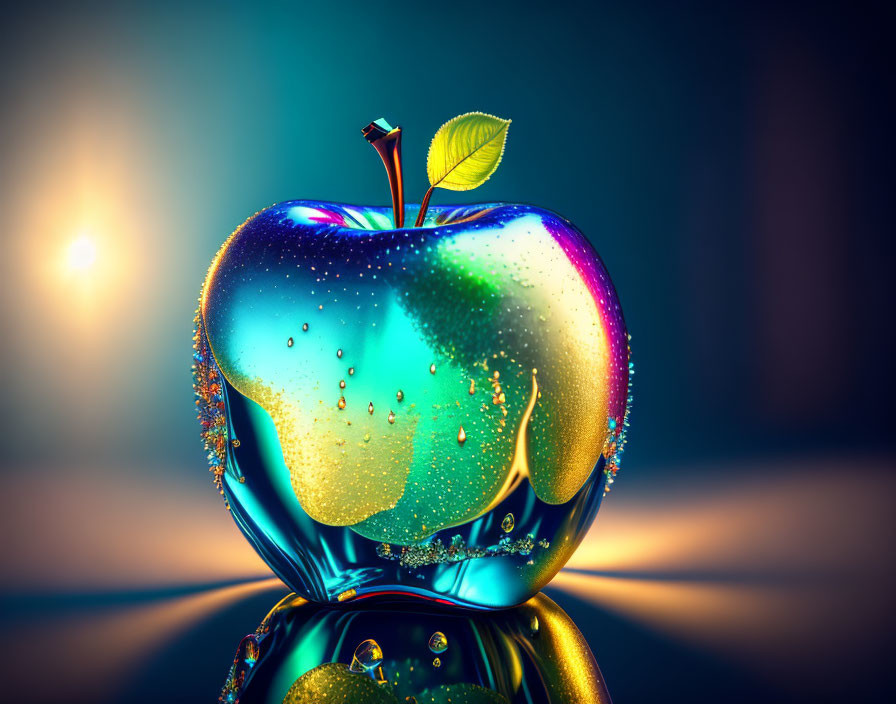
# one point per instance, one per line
(81, 254)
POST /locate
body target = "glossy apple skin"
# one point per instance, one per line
(530, 654)
(432, 412)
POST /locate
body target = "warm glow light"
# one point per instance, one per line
(722, 565)
(81, 254)
(197, 543)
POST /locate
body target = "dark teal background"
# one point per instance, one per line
(725, 161)
(732, 163)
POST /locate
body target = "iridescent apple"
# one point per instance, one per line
(433, 411)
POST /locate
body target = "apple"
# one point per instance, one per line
(434, 410)
(353, 356)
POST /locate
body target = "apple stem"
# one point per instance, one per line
(387, 142)
(424, 206)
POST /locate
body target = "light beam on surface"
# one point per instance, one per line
(102, 531)
(780, 569)
(86, 656)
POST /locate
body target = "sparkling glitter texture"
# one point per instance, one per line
(396, 393)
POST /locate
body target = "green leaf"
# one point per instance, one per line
(466, 151)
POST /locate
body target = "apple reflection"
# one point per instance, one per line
(414, 654)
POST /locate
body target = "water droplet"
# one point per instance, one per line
(368, 656)
(391, 417)
(432, 368)
(366, 437)
(370, 408)
(472, 387)
(351, 371)
(436, 662)
(305, 327)
(461, 435)
(342, 383)
(533, 624)
(339, 353)
(438, 643)
(289, 342)
(400, 395)
(249, 646)
(341, 402)
(507, 523)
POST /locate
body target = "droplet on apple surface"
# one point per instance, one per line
(368, 656)
(507, 523)
(438, 643)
